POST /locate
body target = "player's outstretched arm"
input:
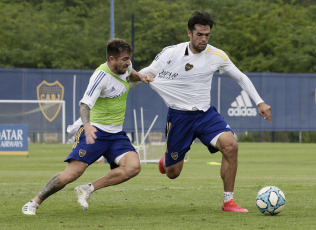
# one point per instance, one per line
(135, 76)
(265, 111)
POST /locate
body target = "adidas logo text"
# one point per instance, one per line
(242, 106)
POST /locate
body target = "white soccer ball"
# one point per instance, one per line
(270, 200)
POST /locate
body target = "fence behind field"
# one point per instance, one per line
(292, 97)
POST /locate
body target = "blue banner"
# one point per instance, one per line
(13, 139)
(291, 96)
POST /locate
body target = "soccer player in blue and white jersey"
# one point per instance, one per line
(99, 129)
(183, 77)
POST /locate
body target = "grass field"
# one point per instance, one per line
(152, 201)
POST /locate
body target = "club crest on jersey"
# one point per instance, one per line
(82, 153)
(188, 67)
(50, 92)
(174, 155)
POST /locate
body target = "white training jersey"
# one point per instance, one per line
(104, 85)
(184, 79)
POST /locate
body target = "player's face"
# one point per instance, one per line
(199, 38)
(121, 63)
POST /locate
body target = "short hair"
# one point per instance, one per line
(202, 18)
(117, 46)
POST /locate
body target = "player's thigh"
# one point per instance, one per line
(130, 164)
(174, 170)
(130, 159)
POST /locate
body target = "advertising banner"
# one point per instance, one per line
(292, 98)
(13, 139)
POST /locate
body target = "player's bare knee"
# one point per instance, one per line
(132, 171)
(172, 174)
(174, 171)
(136, 170)
(234, 147)
(230, 149)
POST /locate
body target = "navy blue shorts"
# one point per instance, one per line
(184, 126)
(109, 145)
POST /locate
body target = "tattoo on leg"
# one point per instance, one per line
(54, 185)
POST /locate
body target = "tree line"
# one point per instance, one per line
(258, 35)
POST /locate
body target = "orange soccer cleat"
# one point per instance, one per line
(231, 206)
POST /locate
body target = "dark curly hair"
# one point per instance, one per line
(202, 18)
(117, 46)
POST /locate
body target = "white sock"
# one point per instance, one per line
(91, 187)
(34, 202)
(228, 196)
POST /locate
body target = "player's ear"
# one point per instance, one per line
(111, 58)
(189, 33)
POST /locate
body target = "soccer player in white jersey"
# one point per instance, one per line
(183, 76)
(99, 130)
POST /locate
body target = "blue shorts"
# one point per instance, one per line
(184, 126)
(109, 145)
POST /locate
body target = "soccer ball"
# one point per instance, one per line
(270, 200)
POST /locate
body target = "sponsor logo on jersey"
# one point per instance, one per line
(167, 75)
(242, 106)
(50, 92)
(188, 67)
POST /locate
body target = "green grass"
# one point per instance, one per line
(152, 201)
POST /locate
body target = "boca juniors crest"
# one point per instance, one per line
(50, 92)
(188, 67)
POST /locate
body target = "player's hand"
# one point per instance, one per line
(90, 131)
(135, 76)
(146, 78)
(265, 111)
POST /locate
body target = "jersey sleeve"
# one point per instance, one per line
(227, 66)
(158, 62)
(96, 83)
(225, 63)
(245, 83)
